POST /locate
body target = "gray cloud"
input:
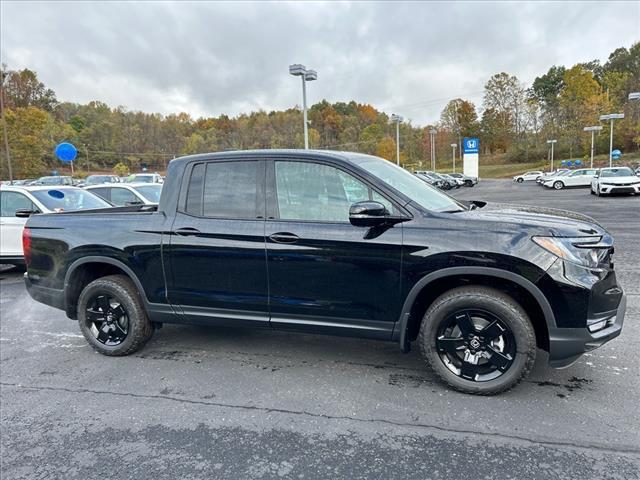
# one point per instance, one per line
(213, 58)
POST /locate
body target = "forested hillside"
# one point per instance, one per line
(513, 123)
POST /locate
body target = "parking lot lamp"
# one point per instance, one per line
(433, 132)
(298, 70)
(397, 119)
(611, 117)
(593, 130)
(453, 150)
(552, 142)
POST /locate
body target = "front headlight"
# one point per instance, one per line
(588, 252)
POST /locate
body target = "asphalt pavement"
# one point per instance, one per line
(229, 403)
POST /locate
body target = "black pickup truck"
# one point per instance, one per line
(334, 243)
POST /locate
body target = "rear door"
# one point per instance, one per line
(217, 262)
(11, 226)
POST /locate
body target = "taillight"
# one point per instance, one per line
(26, 245)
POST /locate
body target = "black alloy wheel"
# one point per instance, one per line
(477, 340)
(107, 319)
(475, 345)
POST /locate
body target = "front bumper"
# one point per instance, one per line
(49, 296)
(619, 189)
(566, 345)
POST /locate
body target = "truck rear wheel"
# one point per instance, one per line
(478, 340)
(112, 317)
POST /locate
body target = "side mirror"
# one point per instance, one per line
(25, 213)
(368, 214)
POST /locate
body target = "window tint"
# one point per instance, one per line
(101, 192)
(194, 193)
(122, 196)
(310, 191)
(10, 202)
(231, 189)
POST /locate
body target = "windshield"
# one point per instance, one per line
(408, 184)
(140, 178)
(150, 192)
(67, 199)
(617, 172)
(95, 179)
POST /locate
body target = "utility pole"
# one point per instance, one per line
(86, 151)
(397, 119)
(453, 149)
(432, 133)
(4, 131)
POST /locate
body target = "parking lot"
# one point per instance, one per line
(227, 403)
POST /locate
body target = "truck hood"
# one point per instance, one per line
(553, 221)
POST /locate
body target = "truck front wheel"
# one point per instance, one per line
(478, 340)
(112, 317)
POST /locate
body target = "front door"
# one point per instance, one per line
(217, 265)
(326, 275)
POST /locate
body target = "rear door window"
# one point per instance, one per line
(226, 189)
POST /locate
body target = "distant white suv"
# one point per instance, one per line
(615, 180)
(577, 178)
(531, 176)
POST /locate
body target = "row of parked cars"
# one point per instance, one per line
(60, 180)
(601, 181)
(446, 181)
(19, 201)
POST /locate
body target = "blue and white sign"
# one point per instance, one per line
(616, 154)
(471, 145)
(66, 152)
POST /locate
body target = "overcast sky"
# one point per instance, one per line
(212, 58)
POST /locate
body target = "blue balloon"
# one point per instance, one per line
(563, 162)
(66, 152)
(616, 154)
(569, 163)
(578, 162)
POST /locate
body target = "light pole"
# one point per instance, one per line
(397, 119)
(552, 142)
(611, 117)
(298, 70)
(433, 132)
(453, 151)
(593, 130)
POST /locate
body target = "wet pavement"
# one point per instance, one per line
(228, 403)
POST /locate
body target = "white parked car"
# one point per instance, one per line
(546, 175)
(528, 176)
(615, 180)
(577, 178)
(18, 203)
(144, 178)
(123, 194)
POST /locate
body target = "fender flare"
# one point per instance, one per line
(108, 260)
(403, 322)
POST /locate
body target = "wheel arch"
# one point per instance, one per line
(87, 269)
(431, 286)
